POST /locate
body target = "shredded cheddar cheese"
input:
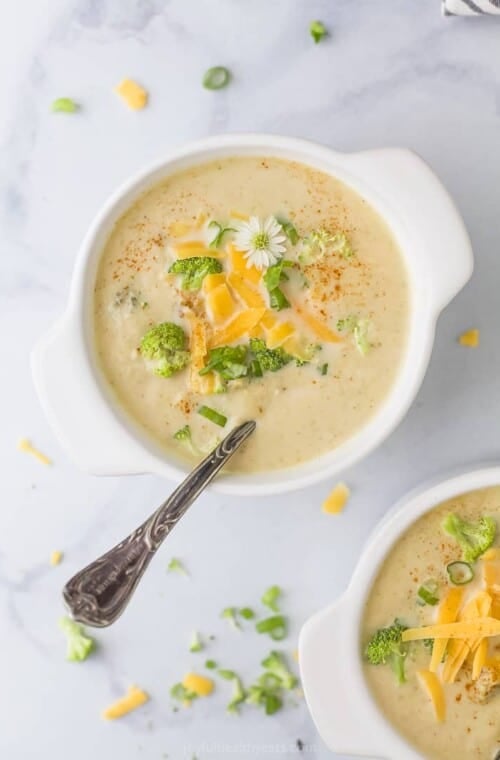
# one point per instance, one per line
(434, 689)
(133, 699)
(28, 448)
(199, 685)
(135, 96)
(470, 338)
(481, 627)
(336, 500)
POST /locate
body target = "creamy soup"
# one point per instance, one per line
(287, 299)
(449, 705)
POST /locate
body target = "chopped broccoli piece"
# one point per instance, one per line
(230, 362)
(196, 643)
(247, 613)
(65, 105)
(269, 359)
(180, 693)
(239, 694)
(359, 329)
(267, 691)
(230, 613)
(194, 270)
(210, 664)
(128, 299)
(386, 646)
(176, 566)
(79, 644)
(318, 30)
(270, 597)
(473, 538)
(165, 344)
(315, 245)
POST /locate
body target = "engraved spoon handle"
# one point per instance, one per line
(99, 593)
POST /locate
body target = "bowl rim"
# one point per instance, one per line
(386, 741)
(347, 168)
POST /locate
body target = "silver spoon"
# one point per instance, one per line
(99, 593)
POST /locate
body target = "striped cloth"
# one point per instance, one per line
(470, 7)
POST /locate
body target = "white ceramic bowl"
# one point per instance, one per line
(99, 436)
(330, 655)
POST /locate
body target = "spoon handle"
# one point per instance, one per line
(99, 593)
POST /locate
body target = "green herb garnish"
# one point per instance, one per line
(213, 415)
(270, 598)
(275, 626)
(272, 278)
(230, 362)
(221, 231)
(64, 105)
(196, 644)
(359, 328)
(216, 78)
(317, 31)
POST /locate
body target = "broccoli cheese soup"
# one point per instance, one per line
(251, 288)
(431, 631)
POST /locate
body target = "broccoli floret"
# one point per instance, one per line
(386, 646)
(474, 538)
(315, 245)
(269, 359)
(276, 666)
(166, 344)
(194, 270)
(230, 362)
(79, 644)
(359, 328)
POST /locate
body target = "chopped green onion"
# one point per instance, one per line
(230, 614)
(323, 369)
(427, 593)
(239, 694)
(221, 231)
(65, 105)
(227, 674)
(247, 613)
(211, 414)
(216, 78)
(460, 573)
(176, 566)
(183, 434)
(210, 664)
(289, 230)
(318, 30)
(196, 643)
(275, 626)
(270, 598)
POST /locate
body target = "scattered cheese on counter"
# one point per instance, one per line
(56, 558)
(336, 501)
(199, 685)
(133, 699)
(470, 339)
(25, 445)
(135, 96)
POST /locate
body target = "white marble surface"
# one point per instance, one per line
(391, 74)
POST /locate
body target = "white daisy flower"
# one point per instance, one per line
(261, 242)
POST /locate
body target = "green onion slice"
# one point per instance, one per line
(270, 597)
(289, 230)
(427, 593)
(247, 613)
(317, 30)
(275, 626)
(460, 573)
(211, 414)
(216, 78)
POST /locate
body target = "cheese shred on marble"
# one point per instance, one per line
(28, 448)
(135, 96)
(133, 699)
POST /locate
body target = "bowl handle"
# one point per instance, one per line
(411, 190)
(83, 423)
(334, 688)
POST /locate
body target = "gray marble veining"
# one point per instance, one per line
(390, 74)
